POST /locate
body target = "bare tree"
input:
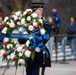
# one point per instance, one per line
(65, 8)
(13, 5)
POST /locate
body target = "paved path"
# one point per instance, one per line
(56, 69)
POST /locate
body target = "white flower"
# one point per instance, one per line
(24, 13)
(14, 52)
(2, 22)
(42, 31)
(5, 19)
(18, 13)
(2, 52)
(15, 18)
(5, 29)
(37, 49)
(6, 39)
(11, 25)
(23, 21)
(31, 28)
(21, 61)
(8, 23)
(8, 57)
(27, 43)
(23, 50)
(4, 46)
(34, 20)
(4, 32)
(19, 49)
(18, 23)
(28, 18)
(34, 15)
(12, 56)
(20, 54)
(11, 21)
(20, 17)
(27, 10)
(28, 53)
(9, 46)
(40, 20)
(35, 24)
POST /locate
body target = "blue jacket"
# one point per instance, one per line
(71, 29)
(57, 20)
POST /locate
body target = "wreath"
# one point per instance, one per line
(33, 30)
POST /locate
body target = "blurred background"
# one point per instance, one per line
(65, 8)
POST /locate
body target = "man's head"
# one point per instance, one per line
(54, 11)
(72, 19)
(37, 8)
(39, 11)
(50, 20)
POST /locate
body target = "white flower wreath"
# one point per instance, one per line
(27, 20)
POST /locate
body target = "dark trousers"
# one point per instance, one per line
(35, 71)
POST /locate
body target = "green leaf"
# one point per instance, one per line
(33, 55)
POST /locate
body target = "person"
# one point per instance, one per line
(50, 43)
(37, 66)
(56, 24)
(56, 18)
(70, 30)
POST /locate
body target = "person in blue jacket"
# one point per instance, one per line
(70, 30)
(56, 18)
